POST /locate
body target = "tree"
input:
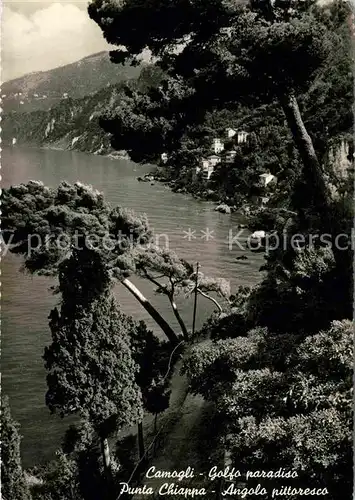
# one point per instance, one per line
(283, 400)
(216, 54)
(45, 225)
(91, 369)
(59, 479)
(172, 275)
(327, 104)
(13, 484)
(154, 360)
(297, 294)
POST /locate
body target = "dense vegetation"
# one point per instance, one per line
(274, 361)
(324, 95)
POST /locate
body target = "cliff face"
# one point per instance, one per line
(341, 157)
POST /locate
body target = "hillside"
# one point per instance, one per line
(43, 90)
(74, 122)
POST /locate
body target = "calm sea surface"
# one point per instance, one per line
(27, 300)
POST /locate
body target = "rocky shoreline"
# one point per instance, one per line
(221, 206)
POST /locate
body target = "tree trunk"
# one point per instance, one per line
(169, 332)
(155, 423)
(179, 318)
(141, 441)
(109, 487)
(155, 433)
(105, 450)
(312, 170)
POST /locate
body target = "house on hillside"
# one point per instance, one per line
(164, 157)
(206, 167)
(207, 172)
(267, 179)
(260, 201)
(242, 136)
(214, 160)
(217, 145)
(230, 132)
(230, 156)
(264, 200)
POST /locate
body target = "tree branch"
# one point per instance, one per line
(170, 296)
(210, 298)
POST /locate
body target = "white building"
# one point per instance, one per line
(264, 200)
(207, 172)
(217, 145)
(230, 156)
(206, 167)
(242, 137)
(266, 179)
(214, 160)
(230, 132)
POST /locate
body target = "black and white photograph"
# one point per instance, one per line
(177, 249)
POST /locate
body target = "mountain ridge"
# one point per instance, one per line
(42, 90)
(73, 123)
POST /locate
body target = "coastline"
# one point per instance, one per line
(156, 174)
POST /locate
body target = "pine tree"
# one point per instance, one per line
(216, 55)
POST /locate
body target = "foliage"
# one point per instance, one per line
(47, 225)
(13, 484)
(285, 400)
(59, 480)
(152, 356)
(327, 104)
(44, 224)
(158, 263)
(89, 361)
(92, 372)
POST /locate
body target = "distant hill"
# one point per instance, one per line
(44, 89)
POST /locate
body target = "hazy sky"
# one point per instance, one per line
(40, 35)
